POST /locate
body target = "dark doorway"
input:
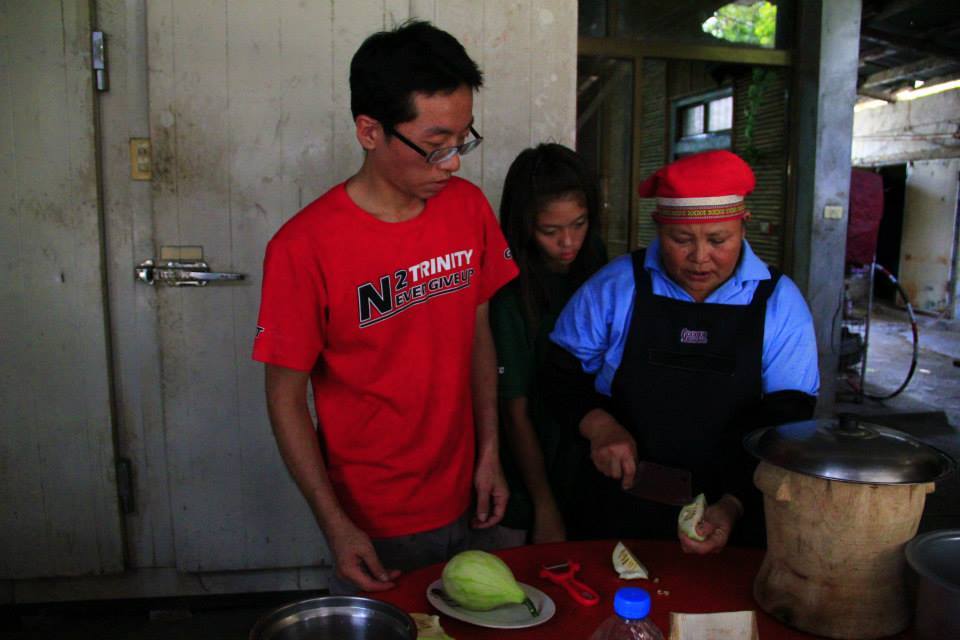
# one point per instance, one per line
(891, 228)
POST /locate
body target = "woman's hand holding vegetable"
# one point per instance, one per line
(716, 526)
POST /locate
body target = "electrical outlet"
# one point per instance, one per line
(140, 164)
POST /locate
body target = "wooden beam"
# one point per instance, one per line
(613, 82)
(875, 53)
(892, 8)
(928, 66)
(626, 48)
(876, 95)
(908, 42)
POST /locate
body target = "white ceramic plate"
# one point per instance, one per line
(510, 616)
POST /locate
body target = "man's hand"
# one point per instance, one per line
(716, 527)
(352, 550)
(356, 560)
(492, 492)
(612, 448)
(488, 480)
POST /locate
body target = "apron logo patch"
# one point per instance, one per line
(688, 336)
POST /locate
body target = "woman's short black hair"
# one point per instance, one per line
(537, 177)
(391, 66)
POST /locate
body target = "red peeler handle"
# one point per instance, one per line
(577, 590)
(581, 592)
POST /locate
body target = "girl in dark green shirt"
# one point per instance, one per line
(549, 213)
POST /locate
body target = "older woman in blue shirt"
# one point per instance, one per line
(691, 343)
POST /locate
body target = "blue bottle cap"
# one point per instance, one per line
(632, 603)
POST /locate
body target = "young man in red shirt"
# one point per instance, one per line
(376, 293)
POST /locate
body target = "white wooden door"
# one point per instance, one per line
(250, 121)
(58, 497)
(240, 102)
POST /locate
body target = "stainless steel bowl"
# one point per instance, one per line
(934, 560)
(336, 618)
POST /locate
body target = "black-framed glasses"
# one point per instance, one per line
(443, 154)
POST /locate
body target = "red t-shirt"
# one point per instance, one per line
(382, 314)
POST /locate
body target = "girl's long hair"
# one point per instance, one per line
(537, 177)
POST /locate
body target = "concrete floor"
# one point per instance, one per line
(929, 408)
(935, 385)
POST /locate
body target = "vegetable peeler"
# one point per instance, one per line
(563, 575)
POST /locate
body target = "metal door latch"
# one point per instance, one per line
(99, 60)
(176, 273)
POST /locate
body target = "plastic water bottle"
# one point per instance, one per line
(630, 622)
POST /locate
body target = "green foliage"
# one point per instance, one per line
(745, 24)
(759, 81)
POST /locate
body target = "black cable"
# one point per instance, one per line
(914, 329)
(916, 341)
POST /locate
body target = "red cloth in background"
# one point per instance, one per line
(866, 211)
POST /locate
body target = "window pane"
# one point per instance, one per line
(720, 115)
(692, 119)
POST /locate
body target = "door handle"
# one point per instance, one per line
(177, 273)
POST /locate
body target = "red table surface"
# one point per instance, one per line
(696, 584)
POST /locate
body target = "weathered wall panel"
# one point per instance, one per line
(58, 501)
(921, 129)
(197, 328)
(929, 233)
(506, 62)
(553, 72)
(134, 339)
(351, 23)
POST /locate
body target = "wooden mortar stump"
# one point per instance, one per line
(835, 561)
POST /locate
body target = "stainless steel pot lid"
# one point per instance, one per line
(850, 450)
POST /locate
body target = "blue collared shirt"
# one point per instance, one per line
(596, 321)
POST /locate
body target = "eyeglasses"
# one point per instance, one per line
(443, 154)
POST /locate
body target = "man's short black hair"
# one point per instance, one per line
(416, 57)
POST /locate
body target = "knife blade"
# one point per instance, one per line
(663, 484)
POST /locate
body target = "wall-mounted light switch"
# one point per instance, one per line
(833, 212)
(140, 165)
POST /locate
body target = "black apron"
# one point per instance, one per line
(689, 378)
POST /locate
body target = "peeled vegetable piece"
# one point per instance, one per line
(690, 517)
(481, 581)
(428, 627)
(626, 564)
